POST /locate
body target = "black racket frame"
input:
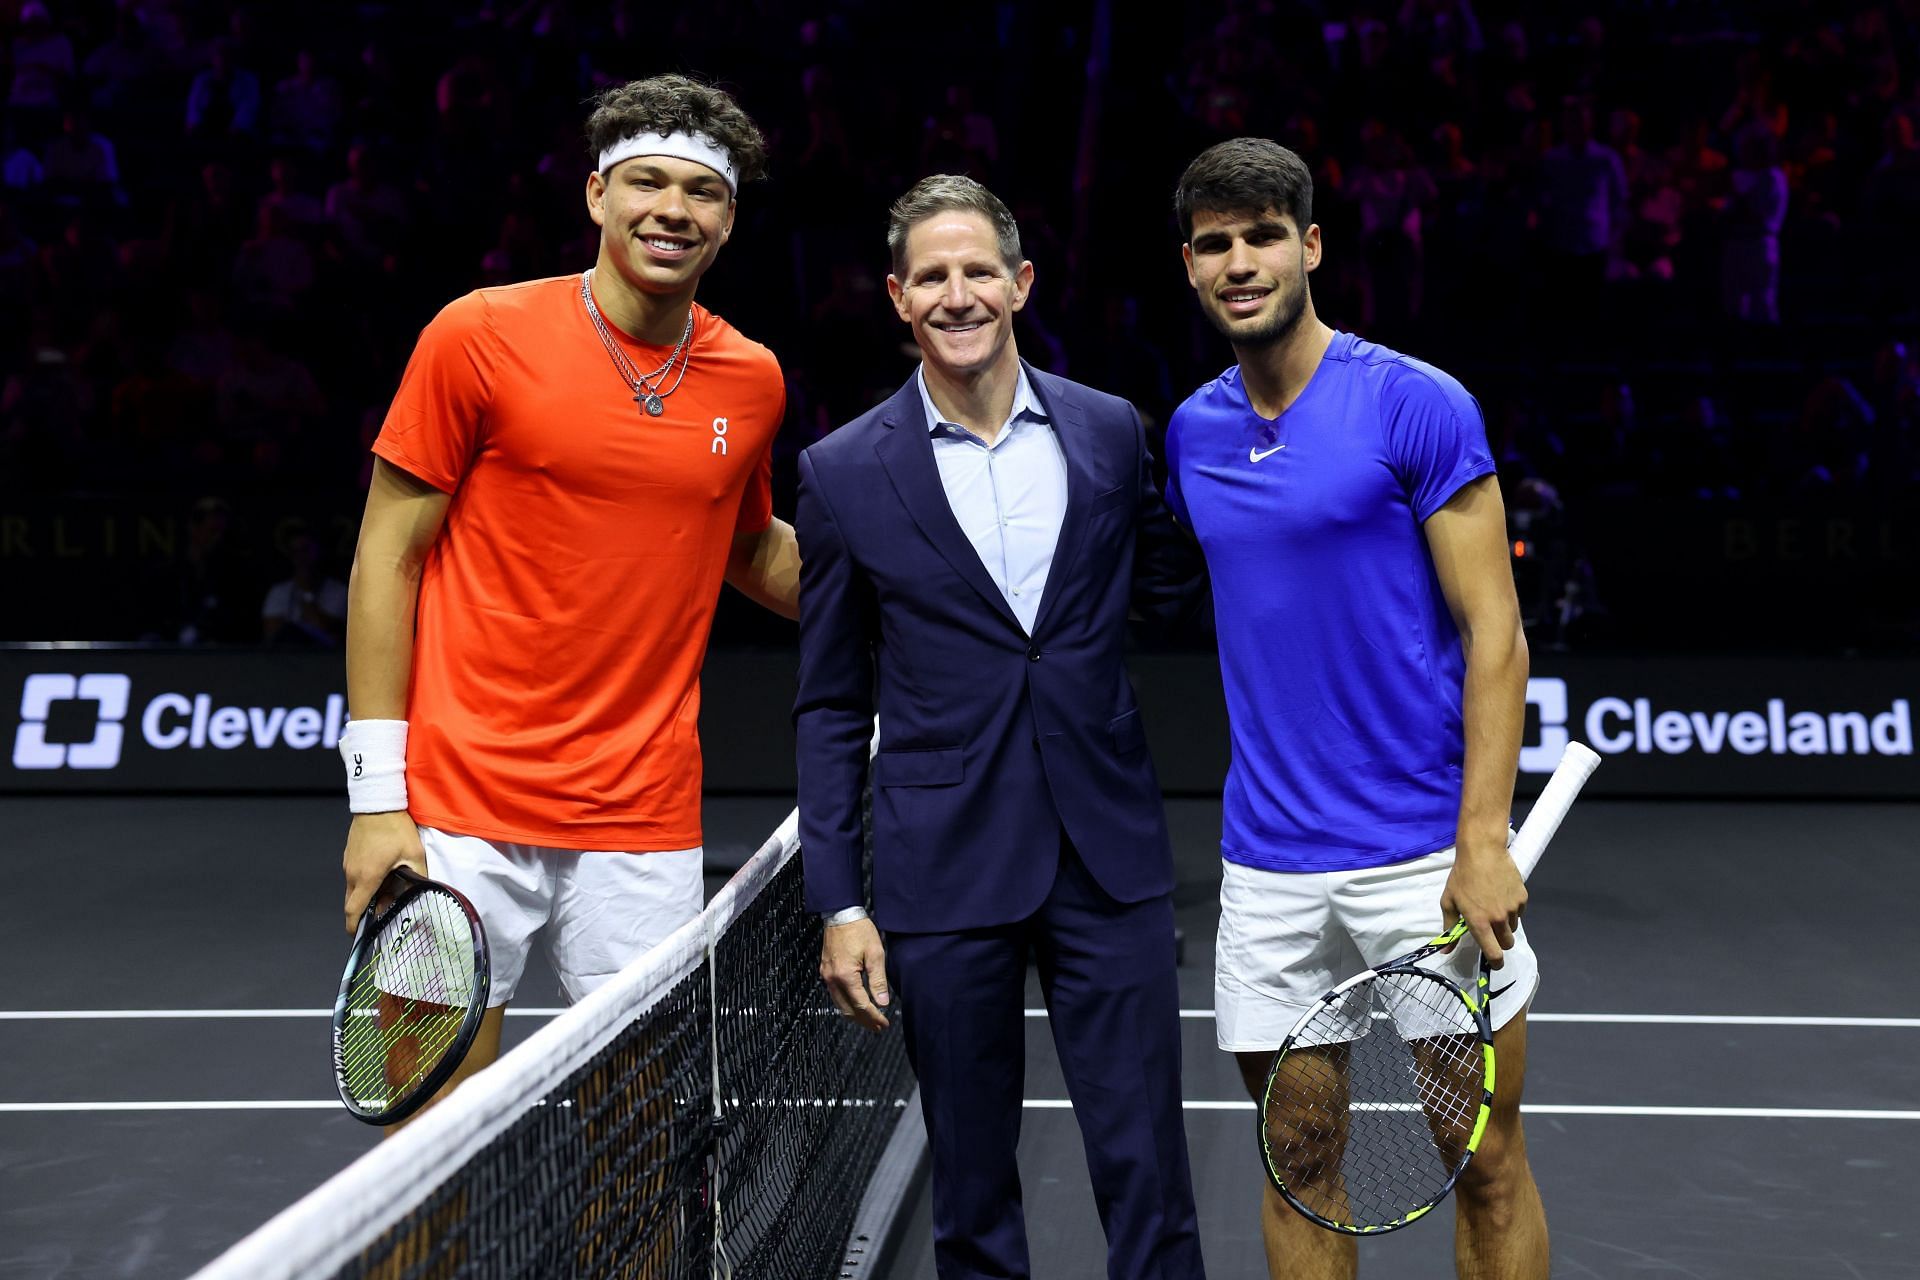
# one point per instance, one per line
(1478, 1002)
(413, 885)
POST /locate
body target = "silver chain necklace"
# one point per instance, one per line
(646, 391)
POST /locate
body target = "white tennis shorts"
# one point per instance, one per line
(1287, 937)
(597, 911)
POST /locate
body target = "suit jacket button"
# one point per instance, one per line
(1033, 653)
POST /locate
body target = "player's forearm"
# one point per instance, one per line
(403, 519)
(1494, 712)
(382, 593)
(766, 569)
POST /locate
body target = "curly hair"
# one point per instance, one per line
(1244, 175)
(666, 104)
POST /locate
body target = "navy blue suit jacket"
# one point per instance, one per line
(991, 740)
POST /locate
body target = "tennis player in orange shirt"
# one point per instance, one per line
(569, 470)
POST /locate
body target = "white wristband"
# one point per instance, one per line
(846, 915)
(376, 756)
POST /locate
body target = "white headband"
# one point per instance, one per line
(681, 145)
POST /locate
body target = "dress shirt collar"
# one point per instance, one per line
(1025, 403)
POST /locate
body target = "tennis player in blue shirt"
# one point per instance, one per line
(1375, 673)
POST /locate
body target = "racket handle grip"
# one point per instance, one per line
(1577, 764)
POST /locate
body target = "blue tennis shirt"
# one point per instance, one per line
(1341, 661)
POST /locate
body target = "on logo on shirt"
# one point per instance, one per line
(720, 436)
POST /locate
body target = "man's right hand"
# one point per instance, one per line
(376, 844)
(852, 964)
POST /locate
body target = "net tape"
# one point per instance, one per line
(705, 1114)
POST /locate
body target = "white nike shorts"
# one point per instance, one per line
(597, 911)
(1287, 937)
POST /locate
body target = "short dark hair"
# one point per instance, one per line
(1245, 175)
(667, 104)
(940, 193)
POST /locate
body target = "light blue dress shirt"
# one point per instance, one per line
(1009, 497)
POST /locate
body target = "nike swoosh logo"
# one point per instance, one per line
(1254, 455)
(1498, 991)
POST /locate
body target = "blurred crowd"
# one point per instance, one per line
(1668, 245)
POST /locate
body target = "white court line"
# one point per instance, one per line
(280, 1104)
(85, 1015)
(1722, 1019)
(1557, 1109)
(1662, 1019)
(1054, 1104)
(535, 1011)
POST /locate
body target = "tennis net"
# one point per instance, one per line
(706, 1114)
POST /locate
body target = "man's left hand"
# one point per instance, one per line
(853, 964)
(1485, 890)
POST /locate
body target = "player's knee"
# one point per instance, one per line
(1496, 1176)
(1302, 1142)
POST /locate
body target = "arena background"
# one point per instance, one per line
(223, 224)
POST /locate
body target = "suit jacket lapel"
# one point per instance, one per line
(906, 452)
(1070, 429)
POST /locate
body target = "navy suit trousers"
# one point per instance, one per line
(1107, 974)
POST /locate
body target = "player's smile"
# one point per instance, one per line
(1244, 301)
(672, 248)
(666, 248)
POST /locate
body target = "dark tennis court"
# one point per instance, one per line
(1688, 1113)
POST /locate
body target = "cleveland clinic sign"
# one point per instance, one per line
(1619, 725)
(241, 720)
(1742, 727)
(144, 720)
(168, 722)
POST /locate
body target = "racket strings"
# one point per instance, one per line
(408, 998)
(1371, 1111)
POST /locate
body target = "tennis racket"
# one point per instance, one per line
(1380, 1094)
(411, 999)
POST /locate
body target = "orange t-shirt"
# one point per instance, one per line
(565, 606)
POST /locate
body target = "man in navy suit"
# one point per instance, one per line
(970, 551)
